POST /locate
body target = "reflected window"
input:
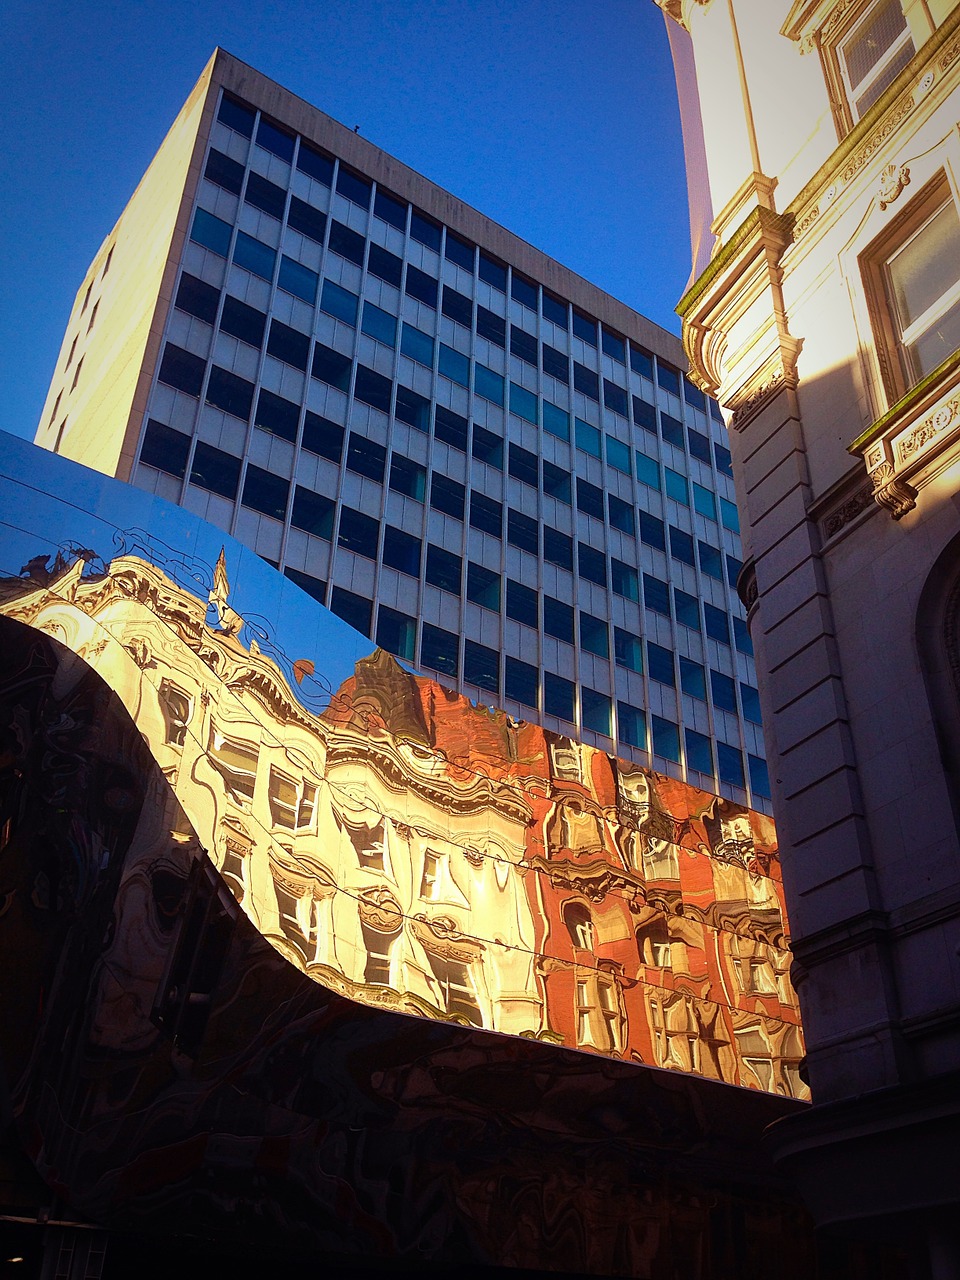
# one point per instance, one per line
(653, 942)
(236, 761)
(454, 984)
(430, 880)
(292, 804)
(378, 947)
(579, 922)
(600, 1023)
(176, 708)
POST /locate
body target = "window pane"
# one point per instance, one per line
(308, 221)
(313, 513)
(450, 427)
(197, 298)
(339, 302)
(387, 266)
(730, 765)
(289, 345)
(486, 514)
(242, 321)
(352, 608)
(522, 532)
(228, 392)
(213, 233)
(483, 585)
(693, 679)
(488, 384)
(373, 388)
(556, 421)
(521, 682)
(558, 696)
(396, 633)
(315, 164)
(704, 502)
(666, 739)
(408, 477)
(278, 141)
(627, 650)
(300, 281)
(355, 188)
(439, 650)
(265, 493)
(443, 569)
(595, 711)
(522, 603)
(481, 666)
(358, 533)
(453, 365)
(618, 455)
(631, 726)
(265, 195)
(277, 415)
(315, 587)
(425, 231)
(165, 449)
(459, 251)
(417, 345)
(379, 324)
(487, 447)
(390, 210)
(254, 255)
(587, 438)
(594, 637)
(366, 457)
(215, 470)
(182, 370)
(699, 753)
(331, 367)
(447, 495)
(421, 286)
(401, 551)
(323, 437)
(236, 116)
(558, 619)
(224, 172)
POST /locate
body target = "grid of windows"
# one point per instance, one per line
(565, 489)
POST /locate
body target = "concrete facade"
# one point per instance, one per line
(826, 323)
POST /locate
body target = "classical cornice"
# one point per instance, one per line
(744, 268)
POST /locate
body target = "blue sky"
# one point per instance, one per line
(557, 118)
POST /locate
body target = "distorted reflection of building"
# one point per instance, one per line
(419, 853)
(309, 957)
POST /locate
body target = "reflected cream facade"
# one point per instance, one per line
(828, 324)
(410, 850)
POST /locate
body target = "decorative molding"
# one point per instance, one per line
(893, 179)
(747, 588)
(443, 938)
(773, 376)
(949, 55)
(879, 137)
(937, 422)
(898, 496)
(847, 511)
(380, 910)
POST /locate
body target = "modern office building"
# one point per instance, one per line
(828, 323)
(481, 461)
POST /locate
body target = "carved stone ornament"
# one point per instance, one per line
(921, 435)
(893, 179)
(848, 511)
(896, 495)
(380, 910)
(442, 937)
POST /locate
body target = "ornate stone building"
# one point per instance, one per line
(825, 314)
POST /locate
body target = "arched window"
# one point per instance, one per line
(579, 922)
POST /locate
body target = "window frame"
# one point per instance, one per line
(897, 376)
